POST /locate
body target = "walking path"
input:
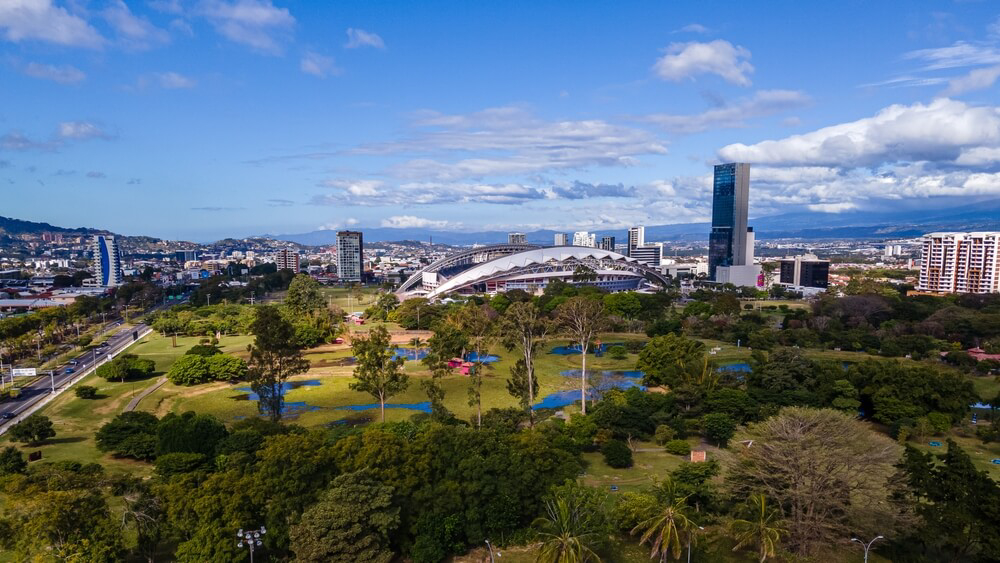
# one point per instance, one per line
(145, 393)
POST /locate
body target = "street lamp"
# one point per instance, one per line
(490, 547)
(689, 543)
(251, 538)
(868, 545)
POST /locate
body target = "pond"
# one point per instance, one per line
(422, 407)
(596, 349)
(413, 354)
(289, 409)
(600, 382)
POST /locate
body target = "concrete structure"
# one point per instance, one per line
(607, 243)
(440, 271)
(727, 243)
(804, 271)
(516, 238)
(648, 254)
(746, 275)
(287, 260)
(350, 252)
(532, 270)
(960, 262)
(184, 256)
(636, 238)
(561, 239)
(583, 238)
(107, 261)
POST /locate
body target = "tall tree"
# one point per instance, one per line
(582, 317)
(521, 387)
(273, 359)
(762, 528)
(304, 295)
(479, 325)
(378, 373)
(665, 529)
(524, 326)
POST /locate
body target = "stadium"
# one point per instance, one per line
(503, 267)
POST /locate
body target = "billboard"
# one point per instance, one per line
(23, 372)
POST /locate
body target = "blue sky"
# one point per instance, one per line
(200, 119)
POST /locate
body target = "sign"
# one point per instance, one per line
(697, 456)
(23, 372)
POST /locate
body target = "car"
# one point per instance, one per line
(104, 345)
(74, 362)
(98, 350)
(7, 415)
(68, 371)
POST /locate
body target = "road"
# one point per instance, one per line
(40, 388)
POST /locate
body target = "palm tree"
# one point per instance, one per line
(763, 529)
(416, 342)
(566, 533)
(665, 529)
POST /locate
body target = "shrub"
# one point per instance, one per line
(223, 367)
(940, 422)
(169, 465)
(86, 392)
(617, 353)
(663, 434)
(718, 427)
(189, 370)
(130, 434)
(11, 461)
(205, 350)
(33, 430)
(678, 447)
(617, 454)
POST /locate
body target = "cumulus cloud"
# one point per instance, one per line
(720, 57)
(133, 31)
(832, 207)
(938, 131)
(584, 190)
(376, 193)
(256, 23)
(81, 130)
(357, 38)
(63, 74)
(337, 225)
(318, 65)
(41, 20)
(763, 103)
(410, 221)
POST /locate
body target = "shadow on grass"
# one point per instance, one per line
(66, 440)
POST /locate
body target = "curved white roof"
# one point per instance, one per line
(512, 262)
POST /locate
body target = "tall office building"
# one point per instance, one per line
(287, 260)
(350, 264)
(960, 262)
(107, 261)
(649, 254)
(804, 271)
(183, 256)
(516, 238)
(608, 243)
(583, 238)
(636, 237)
(561, 239)
(727, 244)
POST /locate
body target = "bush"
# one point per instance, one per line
(33, 430)
(223, 367)
(205, 350)
(617, 454)
(86, 392)
(189, 370)
(718, 427)
(663, 434)
(11, 461)
(617, 353)
(940, 422)
(130, 434)
(169, 465)
(678, 447)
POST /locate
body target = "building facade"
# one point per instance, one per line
(648, 254)
(560, 239)
(184, 256)
(107, 261)
(516, 238)
(804, 271)
(727, 243)
(350, 261)
(636, 238)
(287, 260)
(607, 243)
(960, 263)
(583, 238)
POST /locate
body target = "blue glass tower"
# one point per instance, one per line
(727, 243)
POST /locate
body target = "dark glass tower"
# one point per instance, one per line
(727, 244)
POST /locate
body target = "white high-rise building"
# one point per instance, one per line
(350, 256)
(960, 262)
(516, 238)
(561, 239)
(107, 261)
(583, 238)
(636, 238)
(649, 254)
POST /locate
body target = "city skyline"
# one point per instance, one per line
(245, 117)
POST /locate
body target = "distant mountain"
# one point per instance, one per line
(799, 225)
(21, 227)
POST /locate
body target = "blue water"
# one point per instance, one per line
(487, 359)
(600, 383)
(422, 407)
(597, 349)
(635, 374)
(285, 387)
(741, 366)
(979, 406)
(410, 353)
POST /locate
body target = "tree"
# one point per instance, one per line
(33, 430)
(846, 398)
(189, 370)
(126, 366)
(663, 531)
(520, 386)
(189, 433)
(479, 324)
(223, 367)
(303, 295)
(11, 461)
(273, 359)
(204, 350)
(378, 373)
(351, 521)
(825, 468)
(625, 304)
(617, 454)
(671, 360)
(719, 427)
(525, 326)
(762, 529)
(86, 392)
(568, 533)
(130, 434)
(582, 317)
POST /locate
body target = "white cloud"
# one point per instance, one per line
(976, 79)
(685, 60)
(318, 65)
(167, 80)
(255, 23)
(134, 31)
(936, 132)
(360, 38)
(978, 156)
(763, 103)
(337, 225)
(832, 207)
(66, 132)
(960, 54)
(409, 221)
(81, 130)
(41, 20)
(356, 188)
(63, 74)
(376, 193)
(693, 28)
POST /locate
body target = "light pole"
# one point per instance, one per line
(689, 543)
(490, 547)
(868, 545)
(251, 538)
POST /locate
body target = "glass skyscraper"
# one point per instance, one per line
(727, 243)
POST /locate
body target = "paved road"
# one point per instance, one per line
(42, 387)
